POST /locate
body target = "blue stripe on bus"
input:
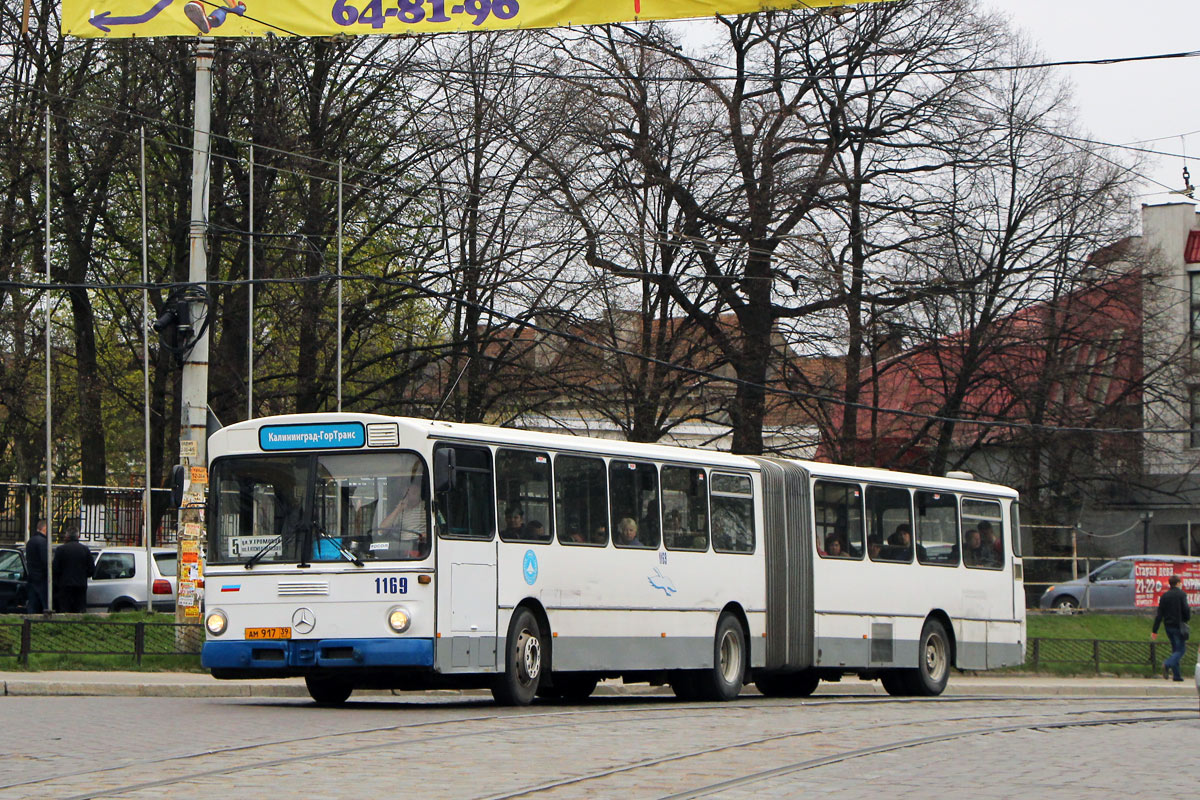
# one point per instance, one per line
(269, 655)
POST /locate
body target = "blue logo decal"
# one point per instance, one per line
(311, 437)
(660, 581)
(529, 567)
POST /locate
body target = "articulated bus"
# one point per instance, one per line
(365, 551)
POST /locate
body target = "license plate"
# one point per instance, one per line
(268, 633)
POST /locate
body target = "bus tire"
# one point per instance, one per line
(795, 684)
(895, 682)
(518, 684)
(328, 691)
(683, 684)
(570, 687)
(724, 680)
(933, 661)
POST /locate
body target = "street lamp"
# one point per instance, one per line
(1146, 517)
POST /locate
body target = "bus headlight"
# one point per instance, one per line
(216, 623)
(399, 619)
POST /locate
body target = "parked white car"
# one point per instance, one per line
(119, 581)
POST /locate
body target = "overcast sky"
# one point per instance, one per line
(1124, 103)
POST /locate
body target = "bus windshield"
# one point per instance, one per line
(301, 508)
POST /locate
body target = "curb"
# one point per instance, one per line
(211, 688)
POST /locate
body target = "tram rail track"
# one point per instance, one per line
(546, 723)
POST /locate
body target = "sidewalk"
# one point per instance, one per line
(192, 684)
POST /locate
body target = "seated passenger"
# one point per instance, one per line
(972, 549)
(833, 547)
(514, 527)
(535, 530)
(627, 533)
(899, 544)
(874, 548)
(993, 554)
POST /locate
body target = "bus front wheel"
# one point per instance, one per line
(724, 680)
(328, 691)
(518, 685)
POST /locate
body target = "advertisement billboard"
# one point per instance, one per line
(1150, 581)
(129, 18)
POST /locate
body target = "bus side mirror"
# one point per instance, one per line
(443, 469)
(179, 479)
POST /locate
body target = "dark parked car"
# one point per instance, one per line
(13, 588)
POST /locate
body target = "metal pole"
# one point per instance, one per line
(49, 416)
(195, 366)
(339, 288)
(250, 328)
(146, 535)
(194, 388)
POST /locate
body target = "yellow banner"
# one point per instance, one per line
(128, 18)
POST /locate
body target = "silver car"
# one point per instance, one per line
(119, 580)
(1108, 586)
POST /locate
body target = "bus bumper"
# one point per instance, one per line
(270, 655)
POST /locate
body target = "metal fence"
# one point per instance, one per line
(1100, 655)
(22, 637)
(102, 515)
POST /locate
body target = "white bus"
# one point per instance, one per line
(364, 551)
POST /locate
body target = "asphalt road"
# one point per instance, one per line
(627, 746)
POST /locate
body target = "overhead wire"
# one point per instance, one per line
(493, 311)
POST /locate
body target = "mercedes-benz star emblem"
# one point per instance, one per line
(304, 620)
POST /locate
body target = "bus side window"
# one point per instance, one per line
(633, 502)
(937, 528)
(523, 485)
(464, 505)
(732, 499)
(983, 544)
(685, 508)
(889, 523)
(581, 500)
(838, 519)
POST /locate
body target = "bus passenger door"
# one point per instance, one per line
(465, 519)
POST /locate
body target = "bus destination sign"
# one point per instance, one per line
(311, 437)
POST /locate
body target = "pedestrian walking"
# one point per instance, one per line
(73, 566)
(36, 572)
(1173, 613)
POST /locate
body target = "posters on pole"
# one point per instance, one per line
(1150, 581)
(129, 18)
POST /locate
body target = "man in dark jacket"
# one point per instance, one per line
(36, 572)
(1173, 612)
(72, 567)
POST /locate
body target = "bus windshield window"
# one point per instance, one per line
(304, 507)
(633, 495)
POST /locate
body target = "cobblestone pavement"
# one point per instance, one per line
(627, 747)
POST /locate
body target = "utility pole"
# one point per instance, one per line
(194, 389)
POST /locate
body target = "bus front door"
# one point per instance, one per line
(466, 559)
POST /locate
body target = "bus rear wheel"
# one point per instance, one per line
(328, 691)
(518, 684)
(796, 684)
(728, 673)
(570, 687)
(933, 661)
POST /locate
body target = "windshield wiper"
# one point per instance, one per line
(346, 554)
(250, 562)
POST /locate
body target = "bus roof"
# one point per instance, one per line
(233, 439)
